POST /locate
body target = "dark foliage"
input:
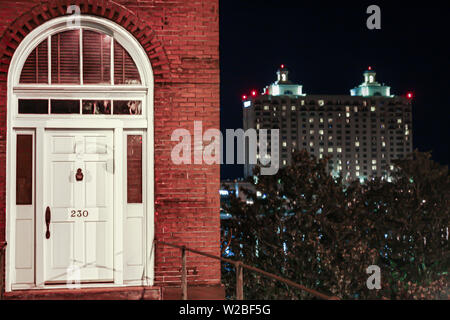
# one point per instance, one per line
(322, 233)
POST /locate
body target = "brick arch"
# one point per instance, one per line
(107, 9)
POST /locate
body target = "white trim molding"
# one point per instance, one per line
(120, 124)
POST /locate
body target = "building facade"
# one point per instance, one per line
(362, 132)
(91, 92)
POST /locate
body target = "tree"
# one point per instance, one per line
(318, 231)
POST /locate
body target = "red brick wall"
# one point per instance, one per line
(181, 38)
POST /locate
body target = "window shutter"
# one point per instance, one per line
(134, 169)
(125, 70)
(24, 171)
(96, 58)
(66, 57)
(35, 69)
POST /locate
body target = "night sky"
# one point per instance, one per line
(326, 48)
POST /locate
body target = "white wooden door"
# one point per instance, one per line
(79, 245)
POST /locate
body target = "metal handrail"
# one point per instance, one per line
(2, 264)
(240, 266)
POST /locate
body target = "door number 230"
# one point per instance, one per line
(79, 213)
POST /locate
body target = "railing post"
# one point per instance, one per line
(239, 281)
(239, 266)
(183, 274)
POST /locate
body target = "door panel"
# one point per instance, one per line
(62, 253)
(62, 185)
(95, 172)
(81, 227)
(63, 145)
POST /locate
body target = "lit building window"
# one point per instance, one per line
(311, 144)
(303, 102)
(320, 149)
(283, 107)
(357, 144)
(383, 144)
(399, 120)
(311, 120)
(373, 108)
(266, 107)
(284, 162)
(374, 168)
(293, 108)
(357, 173)
(339, 150)
(330, 149)
(284, 143)
(374, 161)
(257, 126)
(357, 168)
(321, 120)
(356, 109)
(347, 114)
(347, 109)
(276, 90)
(320, 131)
(311, 131)
(321, 102)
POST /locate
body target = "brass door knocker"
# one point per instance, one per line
(79, 176)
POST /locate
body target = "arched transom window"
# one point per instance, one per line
(76, 72)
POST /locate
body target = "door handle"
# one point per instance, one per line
(48, 217)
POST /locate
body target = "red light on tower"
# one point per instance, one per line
(282, 66)
(409, 95)
(253, 93)
(370, 68)
(244, 97)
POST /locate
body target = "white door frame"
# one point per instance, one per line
(119, 124)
